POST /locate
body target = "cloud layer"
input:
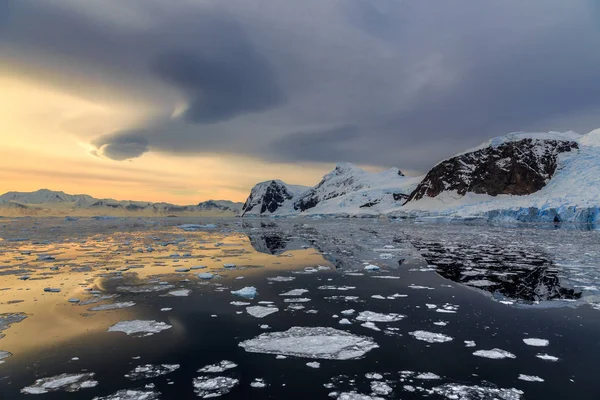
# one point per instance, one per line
(380, 82)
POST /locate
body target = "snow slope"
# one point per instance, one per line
(272, 197)
(572, 194)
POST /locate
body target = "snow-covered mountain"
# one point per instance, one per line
(525, 177)
(273, 197)
(49, 202)
(345, 190)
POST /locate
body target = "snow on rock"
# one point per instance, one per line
(139, 327)
(131, 394)
(260, 311)
(272, 198)
(311, 342)
(530, 378)
(495, 354)
(430, 337)
(216, 368)
(370, 316)
(62, 382)
(536, 342)
(248, 292)
(113, 306)
(151, 371)
(208, 386)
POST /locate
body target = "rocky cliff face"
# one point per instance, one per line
(516, 167)
(270, 197)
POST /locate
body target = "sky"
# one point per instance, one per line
(190, 100)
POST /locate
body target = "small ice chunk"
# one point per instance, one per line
(381, 388)
(536, 342)
(348, 312)
(441, 323)
(113, 306)
(131, 394)
(373, 375)
(331, 287)
(547, 357)
(430, 337)
(469, 343)
(356, 396)
(345, 321)
(280, 357)
(372, 267)
(239, 303)
(4, 355)
(258, 383)
(151, 371)
(139, 327)
(229, 266)
(180, 293)
(52, 290)
(166, 309)
(297, 300)
(260, 311)
(248, 292)
(370, 325)
(495, 354)
(216, 368)
(313, 364)
(427, 376)
(530, 378)
(295, 292)
(370, 316)
(74, 300)
(378, 297)
(281, 279)
(205, 275)
(208, 386)
(182, 270)
(62, 382)
(311, 342)
(412, 286)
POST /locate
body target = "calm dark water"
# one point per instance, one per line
(536, 289)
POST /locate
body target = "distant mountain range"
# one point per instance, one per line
(49, 202)
(551, 177)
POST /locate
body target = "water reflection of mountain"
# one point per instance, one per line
(509, 270)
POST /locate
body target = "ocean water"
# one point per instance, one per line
(439, 310)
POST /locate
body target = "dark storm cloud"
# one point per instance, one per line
(383, 82)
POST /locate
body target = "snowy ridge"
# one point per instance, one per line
(273, 197)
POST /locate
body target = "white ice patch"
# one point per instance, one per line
(239, 303)
(260, 311)
(348, 312)
(481, 283)
(205, 275)
(4, 355)
(207, 386)
(180, 293)
(313, 364)
(113, 306)
(297, 300)
(547, 357)
(357, 396)
(412, 286)
(381, 388)
(248, 292)
(258, 383)
(281, 279)
(370, 316)
(530, 378)
(345, 321)
(311, 342)
(441, 323)
(330, 287)
(427, 376)
(469, 343)
(62, 382)
(144, 288)
(370, 325)
(464, 392)
(131, 394)
(386, 256)
(139, 327)
(536, 342)
(372, 267)
(430, 337)
(373, 375)
(295, 292)
(495, 354)
(216, 368)
(151, 371)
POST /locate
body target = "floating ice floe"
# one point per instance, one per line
(258, 383)
(441, 323)
(311, 342)
(430, 337)
(260, 311)
(205, 275)
(495, 354)
(536, 342)
(239, 303)
(182, 270)
(6, 320)
(4, 355)
(370, 316)
(74, 300)
(313, 364)
(427, 376)
(381, 388)
(249, 292)
(151, 371)
(371, 267)
(229, 266)
(345, 321)
(330, 287)
(480, 283)
(144, 288)
(281, 278)
(62, 382)
(385, 277)
(208, 386)
(52, 290)
(196, 227)
(378, 297)
(139, 327)
(469, 343)
(180, 293)
(297, 300)
(113, 306)
(464, 392)
(412, 286)
(344, 298)
(386, 256)
(348, 312)
(530, 378)
(547, 357)
(166, 309)
(373, 375)
(131, 394)
(216, 368)
(356, 396)
(370, 325)
(295, 292)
